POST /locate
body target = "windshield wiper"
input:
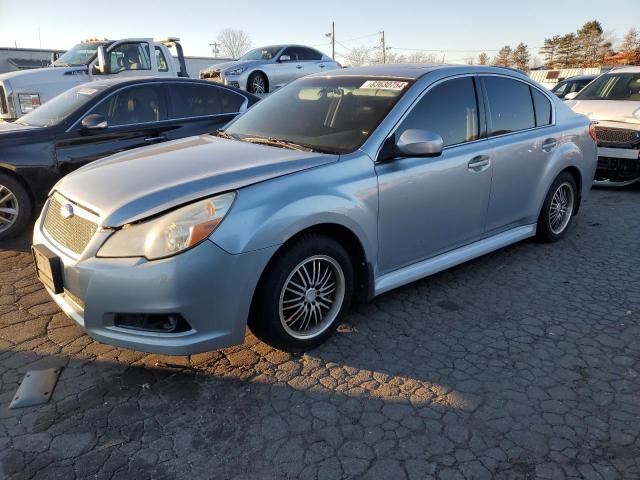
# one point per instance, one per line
(277, 142)
(223, 134)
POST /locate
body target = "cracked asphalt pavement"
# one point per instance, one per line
(522, 364)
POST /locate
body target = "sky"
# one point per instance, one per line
(457, 29)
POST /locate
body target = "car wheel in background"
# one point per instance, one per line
(15, 207)
(558, 208)
(257, 83)
(303, 294)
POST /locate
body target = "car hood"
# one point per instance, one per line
(8, 127)
(131, 186)
(236, 63)
(608, 110)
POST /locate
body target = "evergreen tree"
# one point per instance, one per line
(483, 59)
(521, 57)
(591, 45)
(567, 56)
(550, 51)
(504, 58)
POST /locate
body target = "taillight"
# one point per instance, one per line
(592, 131)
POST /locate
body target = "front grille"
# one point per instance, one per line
(73, 233)
(619, 136)
(3, 101)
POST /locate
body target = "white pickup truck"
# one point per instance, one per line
(23, 91)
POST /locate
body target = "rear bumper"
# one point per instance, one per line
(210, 288)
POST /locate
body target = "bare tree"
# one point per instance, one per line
(483, 59)
(421, 57)
(390, 57)
(631, 42)
(234, 42)
(358, 56)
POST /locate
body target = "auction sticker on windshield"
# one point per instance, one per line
(384, 84)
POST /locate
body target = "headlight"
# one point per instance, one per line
(234, 71)
(170, 233)
(28, 101)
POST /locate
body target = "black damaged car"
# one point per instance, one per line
(96, 119)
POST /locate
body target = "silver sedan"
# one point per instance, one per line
(335, 187)
(266, 69)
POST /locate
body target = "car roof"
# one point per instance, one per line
(579, 77)
(414, 71)
(111, 82)
(632, 69)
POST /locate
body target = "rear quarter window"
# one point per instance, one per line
(542, 107)
(510, 105)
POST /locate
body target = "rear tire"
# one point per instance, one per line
(558, 209)
(303, 294)
(15, 207)
(257, 83)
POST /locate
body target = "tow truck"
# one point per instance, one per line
(23, 91)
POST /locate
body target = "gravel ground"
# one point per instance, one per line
(521, 364)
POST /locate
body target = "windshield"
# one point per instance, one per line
(334, 115)
(264, 53)
(59, 108)
(613, 86)
(79, 55)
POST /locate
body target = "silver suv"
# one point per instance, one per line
(266, 69)
(341, 185)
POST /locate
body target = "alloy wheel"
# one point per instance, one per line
(9, 208)
(257, 84)
(561, 208)
(311, 297)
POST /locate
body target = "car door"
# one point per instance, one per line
(136, 116)
(198, 108)
(431, 205)
(312, 61)
(287, 70)
(523, 140)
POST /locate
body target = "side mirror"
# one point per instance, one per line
(284, 58)
(102, 67)
(94, 122)
(570, 96)
(419, 143)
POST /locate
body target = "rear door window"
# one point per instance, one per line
(310, 54)
(449, 109)
(194, 100)
(510, 105)
(230, 101)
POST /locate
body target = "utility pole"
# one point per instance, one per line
(332, 35)
(384, 48)
(215, 46)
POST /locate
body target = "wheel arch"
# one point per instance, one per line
(577, 177)
(11, 171)
(363, 269)
(264, 75)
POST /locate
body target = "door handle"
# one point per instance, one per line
(298, 66)
(321, 66)
(549, 144)
(159, 138)
(479, 163)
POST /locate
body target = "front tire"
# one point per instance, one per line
(303, 294)
(558, 209)
(257, 84)
(15, 207)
